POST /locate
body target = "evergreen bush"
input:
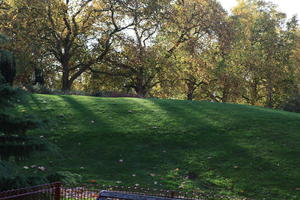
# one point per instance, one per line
(7, 66)
(15, 145)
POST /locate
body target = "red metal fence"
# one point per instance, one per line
(57, 191)
(41, 192)
(79, 193)
(53, 191)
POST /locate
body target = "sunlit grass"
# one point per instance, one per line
(230, 149)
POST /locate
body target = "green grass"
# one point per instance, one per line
(232, 149)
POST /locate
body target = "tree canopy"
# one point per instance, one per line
(171, 48)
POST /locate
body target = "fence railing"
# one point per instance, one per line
(79, 193)
(91, 192)
(41, 192)
(57, 191)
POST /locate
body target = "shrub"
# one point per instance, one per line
(10, 178)
(38, 89)
(7, 66)
(114, 94)
(293, 104)
(15, 145)
(64, 177)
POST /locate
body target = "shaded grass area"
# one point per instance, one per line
(231, 149)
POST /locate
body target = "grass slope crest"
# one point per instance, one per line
(229, 149)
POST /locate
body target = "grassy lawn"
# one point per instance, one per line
(232, 149)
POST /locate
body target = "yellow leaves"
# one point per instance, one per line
(99, 5)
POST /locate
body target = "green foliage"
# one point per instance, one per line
(6, 92)
(3, 39)
(261, 53)
(292, 104)
(6, 169)
(11, 178)
(15, 126)
(7, 66)
(39, 89)
(13, 140)
(13, 182)
(65, 177)
(14, 143)
(19, 147)
(224, 148)
(168, 49)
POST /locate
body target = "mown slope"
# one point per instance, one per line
(233, 149)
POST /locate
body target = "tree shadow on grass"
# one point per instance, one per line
(104, 144)
(253, 164)
(225, 145)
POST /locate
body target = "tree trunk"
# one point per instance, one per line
(225, 94)
(269, 96)
(254, 93)
(190, 92)
(190, 96)
(66, 81)
(191, 87)
(66, 84)
(39, 76)
(141, 90)
(226, 90)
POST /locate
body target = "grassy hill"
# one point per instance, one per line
(232, 149)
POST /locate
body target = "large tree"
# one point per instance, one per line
(143, 57)
(262, 52)
(192, 28)
(75, 34)
(136, 58)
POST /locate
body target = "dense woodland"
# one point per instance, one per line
(183, 49)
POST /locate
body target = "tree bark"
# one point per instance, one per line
(254, 95)
(225, 95)
(190, 96)
(141, 88)
(269, 96)
(66, 85)
(191, 90)
(141, 91)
